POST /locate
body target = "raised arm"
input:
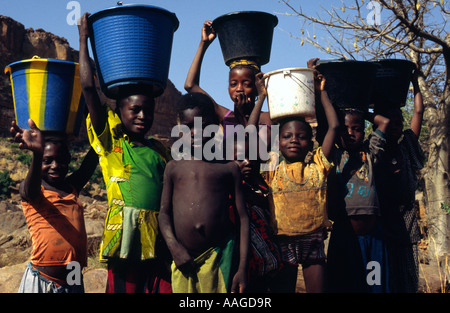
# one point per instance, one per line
(79, 178)
(332, 120)
(417, 118)
(32, 140)
(381, 122)
(240, 278)
(262, 93)
(96, 110)
(330, 113)
(192, 83)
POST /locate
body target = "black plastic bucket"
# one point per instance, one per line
(246, 35)
(392, 82)
(349, 83)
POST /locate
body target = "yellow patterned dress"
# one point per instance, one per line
(298, 199)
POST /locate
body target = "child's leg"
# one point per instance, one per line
(313, 261)
(286, 279)
(314, 276)
(126, 276)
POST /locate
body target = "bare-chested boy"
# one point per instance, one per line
(195, 214)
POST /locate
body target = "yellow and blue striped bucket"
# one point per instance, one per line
(49, 92)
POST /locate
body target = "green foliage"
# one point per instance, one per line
(25, 158)
(5, 183)
(445, 207)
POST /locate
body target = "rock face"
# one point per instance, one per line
(18, 43)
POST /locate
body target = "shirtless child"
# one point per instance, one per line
(195, 215)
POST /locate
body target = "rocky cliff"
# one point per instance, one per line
(18, 43)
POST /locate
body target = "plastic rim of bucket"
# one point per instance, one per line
(157, 80)
(259, 22)
(340, 74)
(393, 78)
(49, 92)
(121, 7)
(290, 69)
(309, 90)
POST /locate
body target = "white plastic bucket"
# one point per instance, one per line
(290, 92)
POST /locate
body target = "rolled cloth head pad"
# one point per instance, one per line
(244, 62)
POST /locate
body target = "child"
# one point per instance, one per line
(241, 87)
(133, 168)
(397, 184)
(264, 255)
(194, 216)
(53, 211)
(357, 239)
(298, 199)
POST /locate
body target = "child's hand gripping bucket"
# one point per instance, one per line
(49, 92)
(290, 92)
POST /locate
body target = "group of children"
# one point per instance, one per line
(223, 225)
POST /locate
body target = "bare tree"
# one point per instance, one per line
(417, 30)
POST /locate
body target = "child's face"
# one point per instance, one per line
(244, 163)
(55, 163)
(295, 141)
(247, 167)
(187, 118)
(242, 80)
(352, 132)
(136, 113)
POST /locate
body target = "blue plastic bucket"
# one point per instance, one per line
(132, 45)
(245, 35)
(49, 92)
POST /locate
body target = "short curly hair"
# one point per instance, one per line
(286, 120)
(197, 100)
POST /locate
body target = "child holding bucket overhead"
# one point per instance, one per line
(133, 168)
(241, 86)
(53, 211)
(298, 198)
(397, 183)
(357, 259)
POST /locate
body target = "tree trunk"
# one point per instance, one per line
(437, 193)
(436, 176)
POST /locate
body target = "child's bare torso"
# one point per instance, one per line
(201, 199)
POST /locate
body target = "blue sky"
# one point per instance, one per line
(51, 15)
